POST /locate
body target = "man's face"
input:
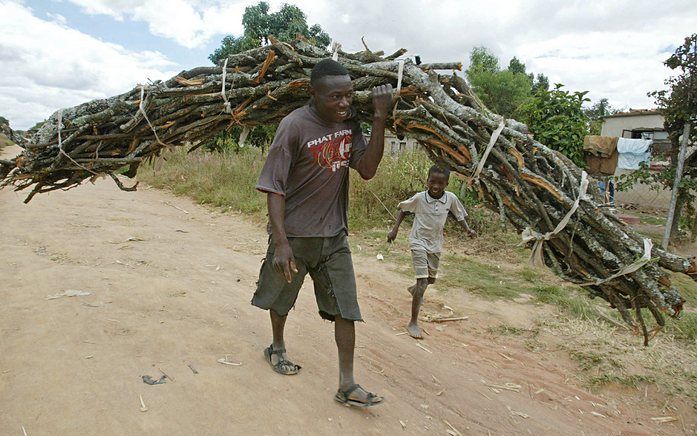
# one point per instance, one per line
(332, 97)
(437, 183)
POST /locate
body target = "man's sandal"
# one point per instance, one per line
(342, 396)
(283, 366)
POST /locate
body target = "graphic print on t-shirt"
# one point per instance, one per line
(332, 151)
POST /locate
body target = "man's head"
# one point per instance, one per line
(438, 178)
(331, 90)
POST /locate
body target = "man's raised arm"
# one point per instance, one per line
(383, 100)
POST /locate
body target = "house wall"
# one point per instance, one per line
(394, 146)
(613, 126)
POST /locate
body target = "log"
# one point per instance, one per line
(528, 184)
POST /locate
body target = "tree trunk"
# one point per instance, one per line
(673, 218)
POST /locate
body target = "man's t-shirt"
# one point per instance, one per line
(308, 163)
(430, 215)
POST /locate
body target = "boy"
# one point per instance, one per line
(430, 209)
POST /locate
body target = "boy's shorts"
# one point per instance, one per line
(425, 264)
(329, 263)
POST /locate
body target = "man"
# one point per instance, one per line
(306, 180)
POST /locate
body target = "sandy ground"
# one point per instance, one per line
(170, 286)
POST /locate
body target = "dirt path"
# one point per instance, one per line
(170, 285)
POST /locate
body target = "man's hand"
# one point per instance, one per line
(284, 261)
(383, 100)
(472, 233)
(391, 236)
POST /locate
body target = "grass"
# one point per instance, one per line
(684, 327)
(567, 300)
(224, 180)
(491, 266)
(5, 141)
(652, 219)
(617, 358)
(631, 380)
(506, 330)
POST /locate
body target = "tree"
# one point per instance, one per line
(502, 91)
(259, 25)
(596, 112)
(539, 82)
(557, 119)
(5, 127)
(678, 104)
(515, 66)
(482, 60)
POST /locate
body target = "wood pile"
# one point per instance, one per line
(539, 191)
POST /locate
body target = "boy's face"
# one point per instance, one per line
(332, 96)
(437, 182)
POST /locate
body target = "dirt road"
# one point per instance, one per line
(170, 284)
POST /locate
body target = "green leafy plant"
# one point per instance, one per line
(556, 118)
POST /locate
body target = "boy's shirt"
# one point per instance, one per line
(308, 163)
(430, 215)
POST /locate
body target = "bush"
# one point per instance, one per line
(557, 120)
(227, 179)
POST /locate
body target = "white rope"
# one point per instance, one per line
(60, 126)
(400, 71)
(60, 144)
(529, 234)
(335, 51)
(492, 141)
(243, 136)
(228, 108)
(643, 260)
(141, 109)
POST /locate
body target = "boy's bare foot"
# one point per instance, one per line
(411, 289)
(414, 331)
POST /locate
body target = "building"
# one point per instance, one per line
(395, 146)
(639, 124)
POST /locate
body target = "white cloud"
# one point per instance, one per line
(613, 49)
(58, 18)
(47, 65)
(190, 23)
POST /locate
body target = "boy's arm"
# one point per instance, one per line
(460, 214)
(470, 231)
(392, 235)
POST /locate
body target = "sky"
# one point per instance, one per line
(60, 53)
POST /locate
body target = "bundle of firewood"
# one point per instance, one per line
(539, 191)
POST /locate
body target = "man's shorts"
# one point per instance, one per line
(425, 264)
(329, 263)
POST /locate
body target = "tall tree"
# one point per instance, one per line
(557, 119)
(502, 91)
(515, 66)
(596, 112)
(678, 104)
(539, 82)
(259, 25)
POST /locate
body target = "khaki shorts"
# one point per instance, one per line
(425, 264)
(329, 263)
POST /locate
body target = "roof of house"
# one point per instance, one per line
(635, 113)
